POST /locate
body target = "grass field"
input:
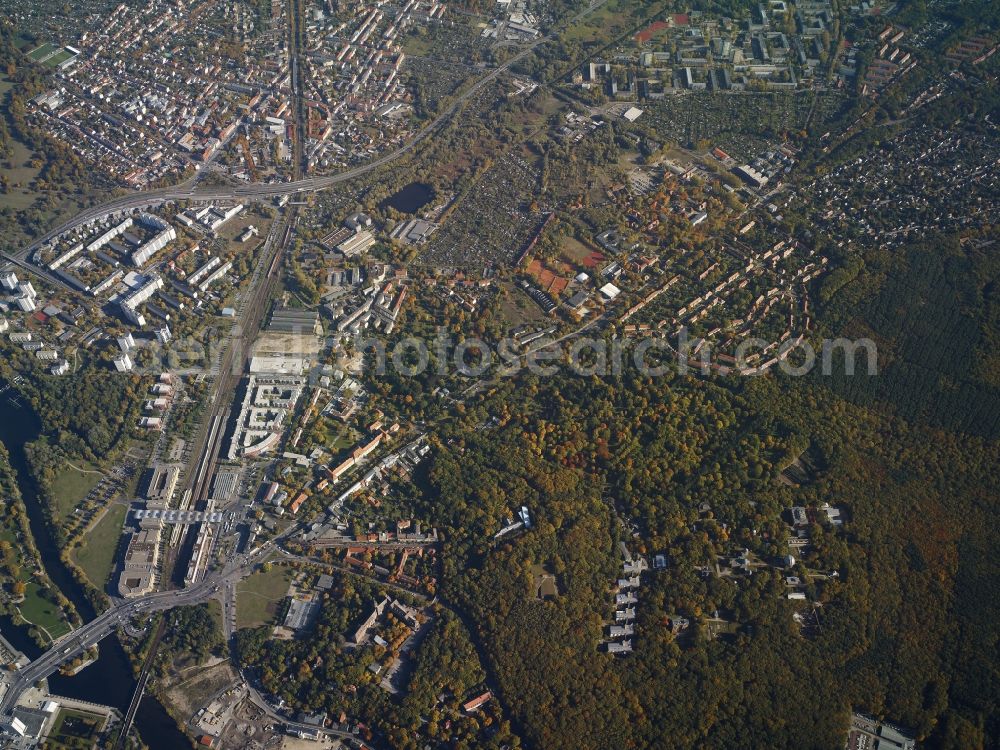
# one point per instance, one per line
(215, 609)
(41, 52)
(575, 252)
(611, 20)
(96, 553)
(60, 57)
(518, 309)
(73, 728)
(16, 169)
(49, 55)
(258, 597)
(39, 611)
(344, 440)
(71, 485)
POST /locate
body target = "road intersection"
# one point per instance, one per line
(74, 644)
(88, 635)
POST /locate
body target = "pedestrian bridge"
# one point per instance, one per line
(179, 516)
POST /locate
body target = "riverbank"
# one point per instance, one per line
(110, 680)
(30, 598)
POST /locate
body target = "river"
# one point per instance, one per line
(110, 680)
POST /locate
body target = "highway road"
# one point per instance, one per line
(264, 191)
(74, 644)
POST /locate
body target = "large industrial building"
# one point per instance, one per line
(138, 576)
(161, 486)
(291, 320)
(357, 243)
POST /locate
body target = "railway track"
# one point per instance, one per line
(198, 481)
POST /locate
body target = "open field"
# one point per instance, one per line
(517, 309)
(16, 169)
(41, 52)
(258, 597)
(73, 728)
(38, 610)
(96, 553)
(59, 57)
(193, 687)
(71, 485)
(574, 251)
(610, 21)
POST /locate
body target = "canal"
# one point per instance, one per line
(110, 680)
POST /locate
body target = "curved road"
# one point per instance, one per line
(72, 645)
(259, 191)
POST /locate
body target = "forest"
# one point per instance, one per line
(87, 416)
(639, 460)
(933, 312)
(192, 631)
(900, 624)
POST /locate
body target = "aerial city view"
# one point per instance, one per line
(505, 374)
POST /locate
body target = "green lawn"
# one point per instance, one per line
(71, 485)
(215, 609)
(41, 52)
(59, 57)
(19, 175)
(346, 439)
(96, 553)
(74, 728)
(39, 611)
(257, 598)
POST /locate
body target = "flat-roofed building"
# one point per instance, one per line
(129, 302)
(138, 576)
(161, 486)
(750, 175)
(8, 279)
(414, 231)
(357, 243)
(291, 320)
(200, 556)
(123, 363)
(358, 221)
